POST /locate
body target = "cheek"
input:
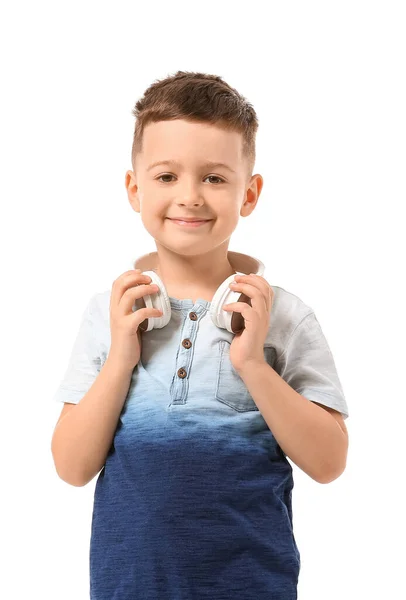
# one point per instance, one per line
(154, 219)
(153, 206)
(229, 215)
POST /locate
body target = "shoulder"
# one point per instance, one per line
(288, 311)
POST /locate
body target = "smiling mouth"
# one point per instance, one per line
(197, 223)
(190, 219)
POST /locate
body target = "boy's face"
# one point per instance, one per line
(189, 188)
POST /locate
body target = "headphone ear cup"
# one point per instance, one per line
(231, 321)
(159, 300)
(237, 320)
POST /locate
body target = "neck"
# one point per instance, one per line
(193, 276)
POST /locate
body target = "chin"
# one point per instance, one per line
(186, 247)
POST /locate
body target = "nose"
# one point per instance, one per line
(190, 196)
(187, 203)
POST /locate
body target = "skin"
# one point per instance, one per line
(192, 263)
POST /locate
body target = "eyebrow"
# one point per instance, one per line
(175, 163)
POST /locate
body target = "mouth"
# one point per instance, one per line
(190, 223)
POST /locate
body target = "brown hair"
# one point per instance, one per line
(197, 97)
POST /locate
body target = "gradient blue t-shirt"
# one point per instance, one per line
(195, 498)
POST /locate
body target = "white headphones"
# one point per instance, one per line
(243, 264)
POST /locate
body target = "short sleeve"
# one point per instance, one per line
(307, 365)
(84, 362)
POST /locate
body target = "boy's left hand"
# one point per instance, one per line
(248, 346)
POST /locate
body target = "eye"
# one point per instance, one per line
(215, 177)
(165, 175)
(208, 176)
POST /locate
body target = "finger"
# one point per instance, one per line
(141, 314)
(261, 284)
(242, 307)
(258, 300)
(124, 282)
(135, 293)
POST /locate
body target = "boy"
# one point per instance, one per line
(192, 423)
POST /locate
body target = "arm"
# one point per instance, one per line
(83, 437)
(316, 440)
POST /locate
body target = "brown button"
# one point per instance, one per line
(186, 343)
(193, 316)
(182, 373)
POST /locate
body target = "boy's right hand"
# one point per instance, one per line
(124, 323)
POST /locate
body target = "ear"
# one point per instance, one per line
(251, 195)
(132, 190)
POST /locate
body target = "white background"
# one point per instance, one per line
(327, 80)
